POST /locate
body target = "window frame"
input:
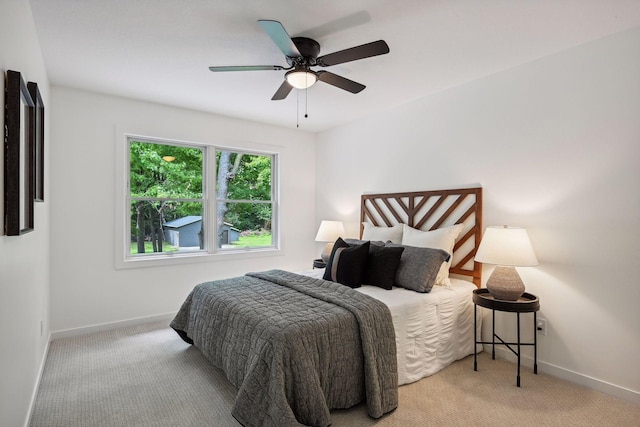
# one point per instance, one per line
(123, 257)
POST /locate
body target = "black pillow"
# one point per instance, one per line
(382, 264)
(347, 263)
(352, 242)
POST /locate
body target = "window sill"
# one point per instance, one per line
(196, 257)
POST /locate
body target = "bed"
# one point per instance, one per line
(298, 345)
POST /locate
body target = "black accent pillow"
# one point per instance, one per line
(382, 264)
(347, 263)
(353, 242)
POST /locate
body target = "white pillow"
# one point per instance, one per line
(385, 234)
(442, 238)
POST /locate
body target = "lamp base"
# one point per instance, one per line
(505, 284)
(326, 252)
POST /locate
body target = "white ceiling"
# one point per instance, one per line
(160, 50)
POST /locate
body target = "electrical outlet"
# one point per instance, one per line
(541, 326)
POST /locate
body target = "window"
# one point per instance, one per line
(171, 212)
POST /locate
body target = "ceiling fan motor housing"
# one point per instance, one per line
(308, 48)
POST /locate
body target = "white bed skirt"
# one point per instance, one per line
(433, 330)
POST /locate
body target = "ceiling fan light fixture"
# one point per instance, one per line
(301, 78)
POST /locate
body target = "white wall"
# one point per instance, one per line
(24, 260)
(86, 289)
(556, 146)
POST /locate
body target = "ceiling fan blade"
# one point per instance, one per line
(280, 37)
(247, 68)
(339, 81)
(376, 48)
(282, 91)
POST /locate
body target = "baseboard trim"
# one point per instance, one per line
(66, 333)
(38, 379)
(571, 376)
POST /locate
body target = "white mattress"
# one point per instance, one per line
(432, 330)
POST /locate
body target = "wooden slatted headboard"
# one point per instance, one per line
(430, 210)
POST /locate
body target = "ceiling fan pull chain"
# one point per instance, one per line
(306, 102)
(297, 109)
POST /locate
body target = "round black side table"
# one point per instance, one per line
(527, 303)
(319, 263)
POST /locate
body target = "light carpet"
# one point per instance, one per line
(147, 376)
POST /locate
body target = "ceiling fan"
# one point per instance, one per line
(301, 53)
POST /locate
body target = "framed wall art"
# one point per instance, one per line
(37, 127)
(19, 156)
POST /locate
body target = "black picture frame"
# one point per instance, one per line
(37, 125)
(19, 156)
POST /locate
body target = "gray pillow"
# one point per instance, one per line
(418, 267)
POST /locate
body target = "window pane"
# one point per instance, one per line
(158, 175)
(166, 226)
(243, 176)
(167, 171)
(245, 225)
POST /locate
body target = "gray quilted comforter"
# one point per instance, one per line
(294, 346)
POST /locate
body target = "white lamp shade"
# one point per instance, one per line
(329, 231)
(508, 246)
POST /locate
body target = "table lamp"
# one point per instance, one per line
(506, 247)
(329, 232)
